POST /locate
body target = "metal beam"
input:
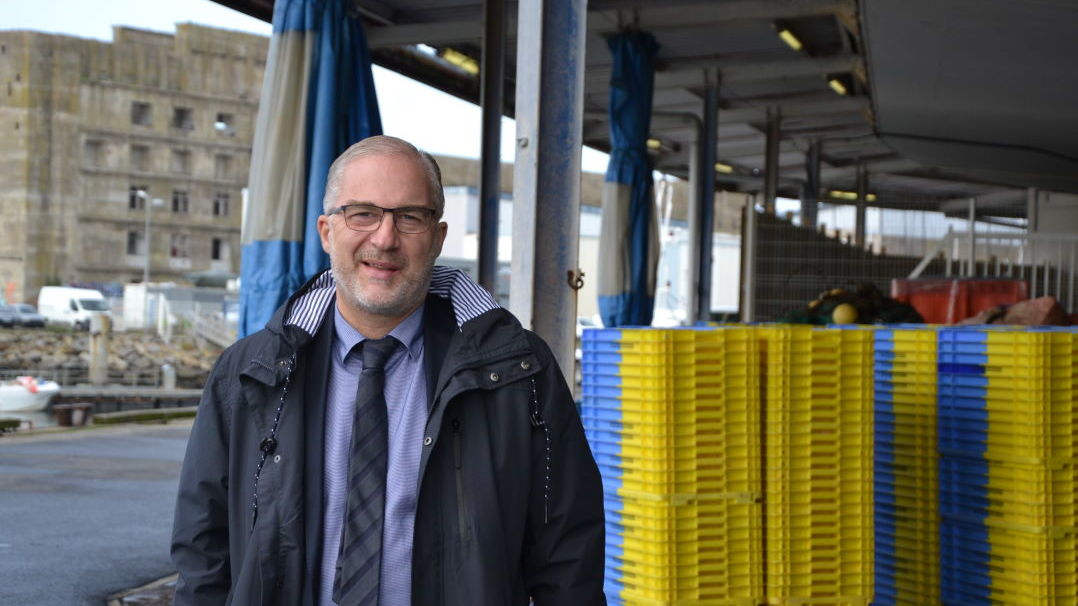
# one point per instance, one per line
(607, 21)
(492, 89)
(695, 14)
(546, 174)
(689, 73)
(996, 199)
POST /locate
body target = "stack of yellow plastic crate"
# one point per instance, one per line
(672, 418)
(1008, 445)
(906, 468)
(818, 465)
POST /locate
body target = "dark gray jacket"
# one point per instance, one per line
(510, 501)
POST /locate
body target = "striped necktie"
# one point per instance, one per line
(360, 557)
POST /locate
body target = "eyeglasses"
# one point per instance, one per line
(368, 217)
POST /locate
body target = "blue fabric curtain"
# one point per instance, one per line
(318, 98)
(628, 241)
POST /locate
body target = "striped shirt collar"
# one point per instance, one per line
(468, 299)
(409, 332)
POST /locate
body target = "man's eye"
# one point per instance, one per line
(363, 213)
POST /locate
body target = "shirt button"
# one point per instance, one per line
(494, 377)
(525, 364)
(277, 458)
(427, 441)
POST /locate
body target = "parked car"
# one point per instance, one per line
(7, 315)
(27, 315)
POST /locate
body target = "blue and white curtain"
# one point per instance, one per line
(628, 239)
(318, 98)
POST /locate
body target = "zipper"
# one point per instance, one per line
(462, 509)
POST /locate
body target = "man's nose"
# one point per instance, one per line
(386, 236)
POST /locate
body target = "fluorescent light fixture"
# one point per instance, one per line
(790, 39)
(461, 60)
(837, 86)
(849, 195)
(655, 144)
(723, 168)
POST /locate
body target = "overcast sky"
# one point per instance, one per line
(454, 129)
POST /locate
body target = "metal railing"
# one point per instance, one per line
(1045, 261)
(145, 377)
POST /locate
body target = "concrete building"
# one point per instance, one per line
(99, 136)
(96, 135)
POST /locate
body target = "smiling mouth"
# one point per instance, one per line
(380, 269)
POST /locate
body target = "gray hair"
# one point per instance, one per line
(380, 145)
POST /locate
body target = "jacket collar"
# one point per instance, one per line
(307, 308)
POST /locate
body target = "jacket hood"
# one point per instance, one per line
(307, 307)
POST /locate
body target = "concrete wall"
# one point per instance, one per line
(71, 150)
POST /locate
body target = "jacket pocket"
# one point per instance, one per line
(462, 503)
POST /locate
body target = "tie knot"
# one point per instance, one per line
(376, 352)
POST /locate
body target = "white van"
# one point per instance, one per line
(71, 306)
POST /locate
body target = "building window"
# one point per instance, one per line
(93, 152)
(217, 249)
(140, 157)
(181, 162)
(136, 245)
(136, 197)
(220, 204)
(141, 113)
(222, 166)
(183, 118)
(178, 247)
(179, 201)
(225, 124)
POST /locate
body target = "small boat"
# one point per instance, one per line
(27, 394)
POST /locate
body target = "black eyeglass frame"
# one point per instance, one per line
(341, 210)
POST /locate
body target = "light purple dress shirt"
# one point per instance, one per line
(406, 399)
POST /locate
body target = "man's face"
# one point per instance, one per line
(383, 272)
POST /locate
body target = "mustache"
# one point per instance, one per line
(373, 255)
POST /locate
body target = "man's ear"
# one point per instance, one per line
(323, 232)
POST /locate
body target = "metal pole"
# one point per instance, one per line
(972, 225)
(811, 193)
(695, 175)
(748, 261)
(771, 165)
(546, 175)
(862, 195)
(1032, 210)
(491, 93)
(705, 195)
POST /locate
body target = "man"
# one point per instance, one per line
(457, 448)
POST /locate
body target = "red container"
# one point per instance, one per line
(951, 300)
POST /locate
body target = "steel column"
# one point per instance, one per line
(491, 95)
(748, 261)
(972, 240)
(811, 194)
(771, 163)
(546, 174)
(1032, 210)
(691, 304)
(862, 199)
(705, 195)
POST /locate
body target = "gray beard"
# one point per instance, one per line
(409, 297)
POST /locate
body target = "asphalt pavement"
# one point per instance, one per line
(86, 514)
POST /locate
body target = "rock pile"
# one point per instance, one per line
(134, 357)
